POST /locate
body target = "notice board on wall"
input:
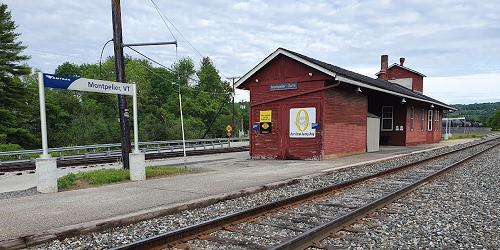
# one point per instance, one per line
(301, 121)
(266, 116)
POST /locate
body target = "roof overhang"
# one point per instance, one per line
(274, 55)
(364, 85)
(328, 72)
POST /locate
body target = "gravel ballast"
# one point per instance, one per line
(127, 234)
(461, 210)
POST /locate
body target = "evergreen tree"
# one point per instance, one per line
(12, 90)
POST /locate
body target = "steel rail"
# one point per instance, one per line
(174, 237)
(68, 161)
(320, 232)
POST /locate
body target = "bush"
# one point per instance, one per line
(10, 147)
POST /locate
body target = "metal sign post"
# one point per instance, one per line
(182, 128)
(43, 119)
(45, 165)
(136, 123)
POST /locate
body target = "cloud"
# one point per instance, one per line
(439, 38)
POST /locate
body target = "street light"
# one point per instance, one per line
(242, 107)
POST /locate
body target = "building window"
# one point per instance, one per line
(387, 118)
(429, 120)
(436, 121)
(422, 125)
(412, 118)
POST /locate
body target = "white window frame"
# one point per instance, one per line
(422, 126)
(436, 120)
(430, 114)
(391, 118)
(412, 118)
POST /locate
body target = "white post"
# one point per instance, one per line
(182, 128)
(136, 126)
(46, 167)
(43, 119)
(137, 158)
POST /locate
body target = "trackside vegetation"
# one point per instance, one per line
(107, 176)
(83, 118)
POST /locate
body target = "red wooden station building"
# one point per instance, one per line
(303, 108)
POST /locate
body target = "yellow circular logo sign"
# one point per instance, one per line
(265, 125)
(302, 120)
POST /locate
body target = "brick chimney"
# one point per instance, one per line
(401, 61)
(384, 63)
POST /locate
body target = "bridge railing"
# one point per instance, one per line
(115, 148)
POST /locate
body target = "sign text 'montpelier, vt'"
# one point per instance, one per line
(89, 85)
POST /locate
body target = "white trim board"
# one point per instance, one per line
(328, 72)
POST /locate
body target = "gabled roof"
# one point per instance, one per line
(347, 76)
(403, 67)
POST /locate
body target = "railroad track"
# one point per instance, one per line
(301, 221)
(67, 161)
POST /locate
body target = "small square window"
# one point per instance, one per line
(387, 118)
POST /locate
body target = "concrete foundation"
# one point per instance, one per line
(46, 171)
(137, 167)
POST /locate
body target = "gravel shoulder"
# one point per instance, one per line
(458, 211)
(123, 235)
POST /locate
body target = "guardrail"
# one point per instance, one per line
(88, 151)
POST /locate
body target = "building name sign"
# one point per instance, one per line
(301, 123)
(84, 84)
(283, 86)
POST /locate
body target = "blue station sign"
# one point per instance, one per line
(85, 84)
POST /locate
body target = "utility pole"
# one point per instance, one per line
(120, 77)
(232, 122)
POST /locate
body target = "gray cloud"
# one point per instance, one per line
(438, 38)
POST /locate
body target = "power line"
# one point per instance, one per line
(172, 71)
(100, 58)
(163, 18)
(180, 33)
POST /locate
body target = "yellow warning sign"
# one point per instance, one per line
(229, 128)
(265, 115)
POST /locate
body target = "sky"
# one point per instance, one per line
(455, 43)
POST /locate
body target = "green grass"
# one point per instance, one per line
(469, 135)
(106, 176)
(163, 170)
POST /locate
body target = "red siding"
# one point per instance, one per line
(345, 118)
(397, 73)
(420, 135)
(341, 112)
(278, 144)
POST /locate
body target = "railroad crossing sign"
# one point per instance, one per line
(229, 130)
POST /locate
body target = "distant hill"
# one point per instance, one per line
(477, 111)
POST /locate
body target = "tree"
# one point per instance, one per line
(12, 90)
(494, 121)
